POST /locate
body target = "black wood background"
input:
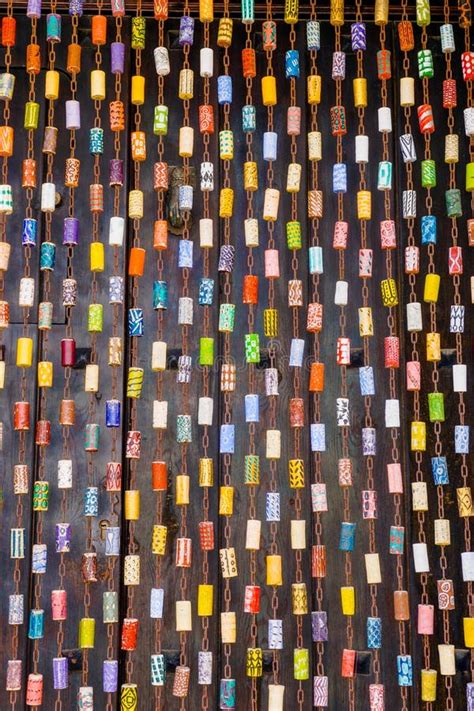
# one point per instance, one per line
(338, 688)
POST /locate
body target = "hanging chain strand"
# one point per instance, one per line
(89, 562)
(296, 302)
(412, 269)
(388, 244)
(228, 384)
(113, 470)
(207, 383)
(251, 300)
(135, 214)
(181, 689)
(343, 391)
(319, 546)
(465, 21)
(272, 354)
(433, 344)
(158, 688)
(43, 425)
(21, 474)
(71, 180)
(366, 331)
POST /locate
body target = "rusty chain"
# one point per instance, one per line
(369, 459)
(228, 361)
(43, 349)
(117, 316)
(272, 357)
(343, 392)
(419, 463)
(183, 524)
(251, 375)
(295, 313)
(465, 19)
(438, 445)
(22, 437)
(318, 535)
(206, 375)
(158, 690)
(132, 483)
(65, 427)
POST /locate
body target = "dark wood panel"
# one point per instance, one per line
(335, 578)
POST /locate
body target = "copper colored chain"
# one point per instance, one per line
(251, 380)
(183, 525)
(4, 160)
(133, 545)
(65, 429)
(158, 690)
(43, 349)
(318, 535)
(92, 406)
(22, 437)
(368, 460)
(206, 380)
(343, 387)
(117, 316)
(273, 399)
(438, 445)
(466, 475)
(227, 397)
(394, 383)
(300, 697)
(419, 463)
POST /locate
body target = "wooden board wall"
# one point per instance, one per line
(335, 577)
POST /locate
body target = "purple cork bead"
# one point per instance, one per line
(115, 172)
(358, 40)
(70, 231)
(470, 696)
(186, 30)
(117, 57)
(33, 9)
(60, 673)
(319, 626)
(73, 115)
(76, 7)
(110, 675)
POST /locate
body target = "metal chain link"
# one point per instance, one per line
(315, 403)
(415, 357)
(343, 391)
(465, 22)
(369, 460)
(295, 314)
(272, 357)
(251, 380)
(22, 437)
(183, 525)
(43, 350)
(158, 691)
(65, 428)
(117, 316)
(132, 545)
(438, 446)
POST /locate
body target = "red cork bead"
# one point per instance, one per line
(206, 118)
(249, 63)
(8, 31)
(159, 476)
(450, 98)
(129, 636)
(250, 289)
(206, 535)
